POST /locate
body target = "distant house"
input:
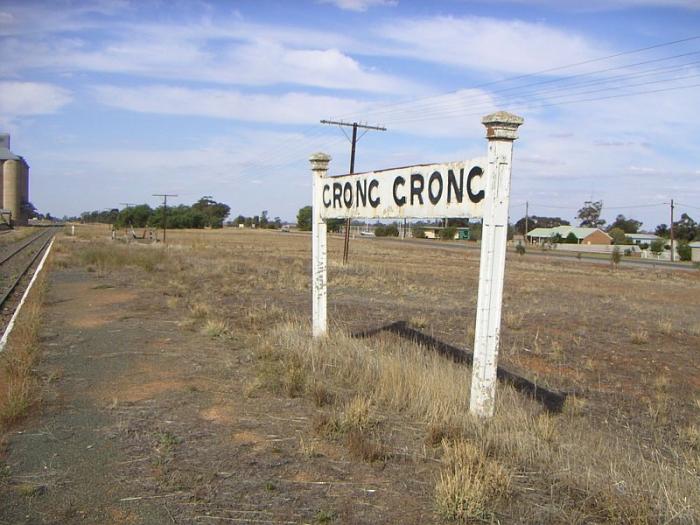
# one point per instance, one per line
(583, 235)
(695, 251)
(642, 238)
(433, 232)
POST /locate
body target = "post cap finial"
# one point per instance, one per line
(502, 125)
(319, 161)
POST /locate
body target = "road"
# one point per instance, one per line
(647, 264)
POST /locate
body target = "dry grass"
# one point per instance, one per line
(470, 484)
(581, 466)
(17, 377)
(521, 438)
(639, 336)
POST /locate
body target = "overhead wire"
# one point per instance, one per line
(542, 71)
(289, 150)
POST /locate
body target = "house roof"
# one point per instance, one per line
(564, 231)
(642, 236)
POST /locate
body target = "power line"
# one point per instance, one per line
(545, 71)
(355, 126)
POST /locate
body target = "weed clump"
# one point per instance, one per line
(470, 484)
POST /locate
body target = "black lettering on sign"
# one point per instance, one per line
(452, 185)
(347, 194)
(326, 189)
(476, 171)
(362, 192)
(435, 197)
(373, 185)
(337, 193)
(417, 185)
(399, 181)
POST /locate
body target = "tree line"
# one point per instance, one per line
(205, 213)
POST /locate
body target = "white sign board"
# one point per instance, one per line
(427, 191)
(474, 188)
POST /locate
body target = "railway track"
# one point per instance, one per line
(17, 262)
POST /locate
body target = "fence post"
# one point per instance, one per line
(501, 131)
(319, 167)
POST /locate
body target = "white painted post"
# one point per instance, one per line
(319, 167)
(501, 131)
(72, 230)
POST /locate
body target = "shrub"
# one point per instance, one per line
(571, 239)
(520, 249)
(684, 251)
(616, 255)
(389, 230)
(418, 233)
(657, 246)
(448, 234)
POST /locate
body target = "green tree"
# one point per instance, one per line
(657, 246)
(618, 235)
(589, 215)
(686, 228)
(571, 238)
(684, 250)
(304, 219)
(390, 230)
(626, 225)
(136, 216)
(335, 225)
(213, 213)
(539, 222)
(662, 231)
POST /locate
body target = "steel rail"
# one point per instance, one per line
(12, 288)
(12, 254)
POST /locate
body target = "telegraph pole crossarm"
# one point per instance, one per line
(165, 210)
(353, 141)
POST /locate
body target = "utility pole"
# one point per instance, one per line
(165, 210)
(527, 219)
(672, 243)
(127, 204)
(353, 142)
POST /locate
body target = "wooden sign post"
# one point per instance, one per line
(469, 189)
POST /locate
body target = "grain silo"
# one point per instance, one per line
(14, 190)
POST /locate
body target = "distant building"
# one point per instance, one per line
(642, 238)
(695, 251)
(583, 235)
(14, 183)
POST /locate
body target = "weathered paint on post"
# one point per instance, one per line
(319, 168)
(501, 131)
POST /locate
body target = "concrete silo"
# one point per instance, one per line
(15, 181)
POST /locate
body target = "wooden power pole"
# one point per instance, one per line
(672, 243)
(165, 210)
(353, 142)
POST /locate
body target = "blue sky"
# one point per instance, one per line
(111, 101)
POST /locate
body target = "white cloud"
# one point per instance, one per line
(229, 51)
(360, 5)
(487, 44)
(21, 99)
(607, 5)
(287, 108)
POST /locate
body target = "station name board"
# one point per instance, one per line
(454, 189)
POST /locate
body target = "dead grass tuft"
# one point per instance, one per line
(366, 446)
(470, 484)
(639, 336)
